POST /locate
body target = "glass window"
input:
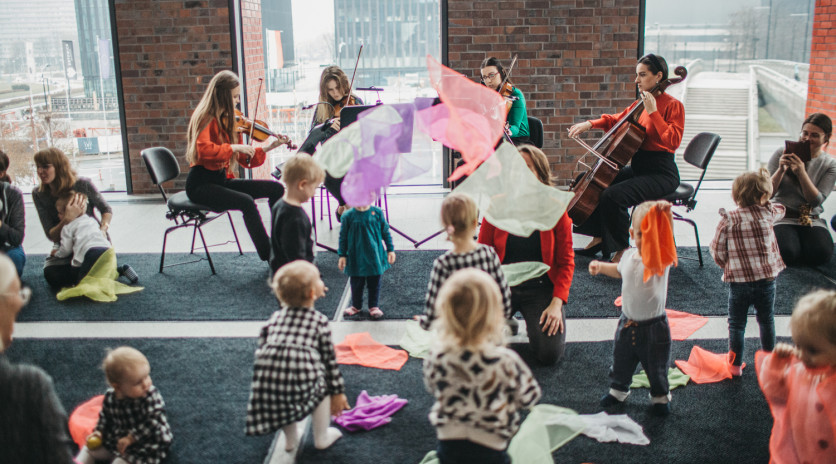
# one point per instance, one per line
(302, 37)
(747, 67)
(58, 88)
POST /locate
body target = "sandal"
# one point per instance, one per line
(352, 311)
(375, 313)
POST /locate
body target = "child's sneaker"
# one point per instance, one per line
(736, 371)
(608, 401)
(375, 313)
(128, 272)
(660, 409)
(352, 311)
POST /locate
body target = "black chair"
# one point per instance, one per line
(162, 166)
(535, 131)
(698, 153)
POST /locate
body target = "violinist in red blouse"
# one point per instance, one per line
(213, 157)
(652, 173)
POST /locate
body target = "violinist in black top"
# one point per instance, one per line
(493, 73)
(333, 88)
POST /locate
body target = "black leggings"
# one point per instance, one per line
(531, 301)
(214, 190)
(650, 176)
(804, 245)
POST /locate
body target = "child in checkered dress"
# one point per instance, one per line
(132, 426)
(746, 248)
(459, 216)
(295, 373)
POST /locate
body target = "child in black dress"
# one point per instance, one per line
(295, 373)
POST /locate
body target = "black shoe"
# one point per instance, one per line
(128, 272)
(591, 251)
(277, 173)
(338, 213)
(608, 401)
(660, 409)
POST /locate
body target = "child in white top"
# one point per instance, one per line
(479, 384)
(800, 384)
(296, 373)
(643, 334)
(132, 426)
(460, 217)
(84, 240)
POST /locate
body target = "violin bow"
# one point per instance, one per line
(351, 85)
(255, 114)
(508, 74)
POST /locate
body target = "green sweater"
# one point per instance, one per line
(517, 117)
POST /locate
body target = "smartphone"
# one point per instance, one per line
(799, 149)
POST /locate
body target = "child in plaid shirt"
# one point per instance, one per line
(745, 247)
(295, 373)
(132, 426)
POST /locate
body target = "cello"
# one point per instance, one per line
(613, 151)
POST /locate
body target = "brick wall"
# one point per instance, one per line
(168, 52)
(576, 58)
(821, 86)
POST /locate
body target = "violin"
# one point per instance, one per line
(342, 104)
(258, 130)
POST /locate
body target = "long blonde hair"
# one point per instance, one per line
(216, 101)
(65, 176)
(331, 73)
(470, 309)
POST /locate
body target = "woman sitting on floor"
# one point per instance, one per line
(802, 187)
(541, 299)
(57, 179)
(12, 217)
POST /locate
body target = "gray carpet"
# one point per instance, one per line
(727, 422)
(204, 382)
(239, 291)
(691, 288)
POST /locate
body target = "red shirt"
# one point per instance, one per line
(556, 246)
(214, 149)
(664, 127)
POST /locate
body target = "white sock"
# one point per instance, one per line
(324, 436)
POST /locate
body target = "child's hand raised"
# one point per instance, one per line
(391, 257)
(594, 267)
(341, 263)
(339, 403)
(783, 350)
(124, 443)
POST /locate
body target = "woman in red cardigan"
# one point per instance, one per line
(213, 157)
(652, 173)
(541, 300)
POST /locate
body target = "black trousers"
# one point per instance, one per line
(804, 245)
(531, 301)
(650, 176)
(213, 189)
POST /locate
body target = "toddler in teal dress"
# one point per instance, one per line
(363, 232)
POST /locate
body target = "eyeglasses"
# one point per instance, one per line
(489, 76)
(24, 293)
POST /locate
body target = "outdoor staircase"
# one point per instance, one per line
(718, 103)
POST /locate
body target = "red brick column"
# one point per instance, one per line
(576, 58)
(821, 85)
(254, 66)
